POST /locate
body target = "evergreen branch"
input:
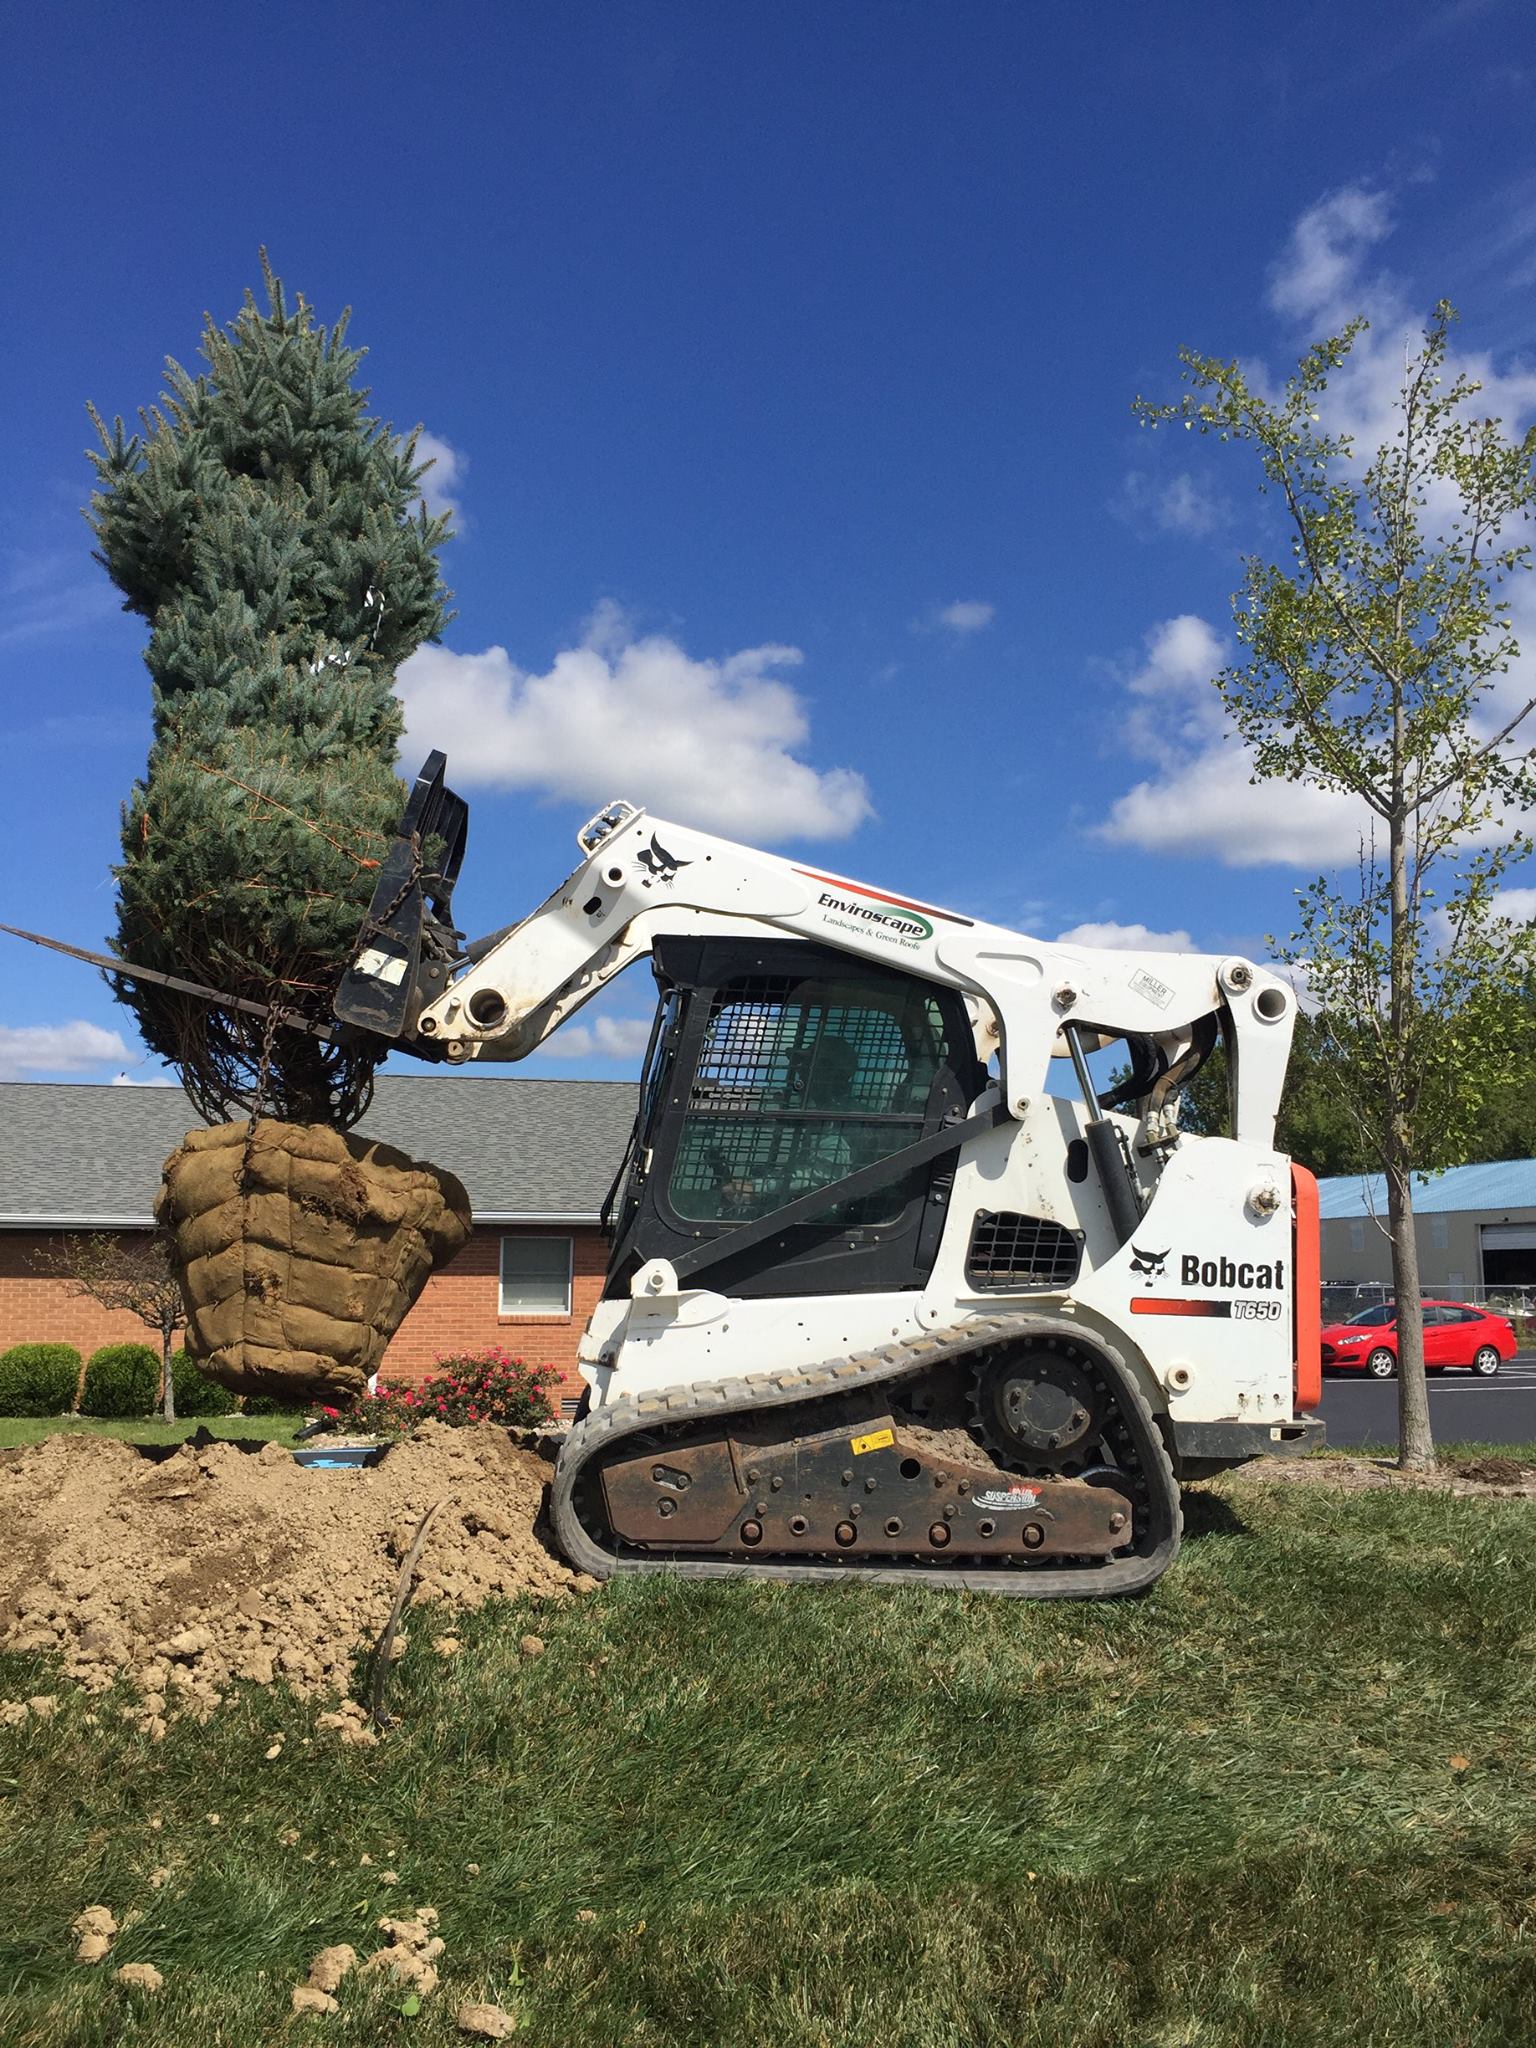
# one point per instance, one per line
(206, 768)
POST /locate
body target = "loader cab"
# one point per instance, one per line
(776, 1068)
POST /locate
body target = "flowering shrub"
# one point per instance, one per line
(486, 1386)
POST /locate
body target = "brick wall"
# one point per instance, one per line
(458, 1309)
(34, 1310)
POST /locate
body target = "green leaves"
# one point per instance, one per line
(1375, 658)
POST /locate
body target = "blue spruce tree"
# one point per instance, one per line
(272, 535)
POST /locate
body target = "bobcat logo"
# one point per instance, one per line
(1150, 1263)
(662, 865)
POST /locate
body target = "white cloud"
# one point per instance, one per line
(710, 743)
(52, 593)
(1209, 807)
(1202, 800)
(967, 615)
(605, 1038)
(136, 1080)
(1516, 906)
(1318, 277)
(1126, 938)
(441, 485)
(73, 1048)
(1182, 505)
(1181, 651)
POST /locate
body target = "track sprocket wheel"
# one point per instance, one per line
(1039, 1408)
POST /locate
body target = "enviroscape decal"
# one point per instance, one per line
(906, 927)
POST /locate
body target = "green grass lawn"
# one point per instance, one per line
(1287, 1799)
(30, 1429)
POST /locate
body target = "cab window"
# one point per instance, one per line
(799, 1083)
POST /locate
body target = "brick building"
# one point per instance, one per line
(537, 1158)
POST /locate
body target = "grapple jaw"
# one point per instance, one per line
(408, 942)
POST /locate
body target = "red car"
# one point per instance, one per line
(1455, 1333)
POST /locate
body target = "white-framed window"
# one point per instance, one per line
(1440, 1233)
(535, 1276)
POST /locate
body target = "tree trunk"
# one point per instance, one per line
(167, 1374)
(1415, 1439)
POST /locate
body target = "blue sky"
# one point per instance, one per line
(781, 364)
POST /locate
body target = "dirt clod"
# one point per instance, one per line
(214, 1566)
(331, 1965)
(307, 1998)
(93, 1930)
(532, 1646)
(412, 1953)
(485, 2022)
(141, 1976)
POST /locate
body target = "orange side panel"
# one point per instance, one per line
(1306, 1291)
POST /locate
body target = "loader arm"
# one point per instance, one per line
(641, 878)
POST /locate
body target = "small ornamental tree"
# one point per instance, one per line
(1376, 664)
(132, 1275)
(272, 535)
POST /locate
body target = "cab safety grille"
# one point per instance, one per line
(1009, 1251)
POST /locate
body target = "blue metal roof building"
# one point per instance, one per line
(1500, 1184)
(1475, 1226)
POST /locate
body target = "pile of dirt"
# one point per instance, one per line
(1508, 1477)
(216, 1564)
(299, 1251)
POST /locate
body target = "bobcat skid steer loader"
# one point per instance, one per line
(881, 1303)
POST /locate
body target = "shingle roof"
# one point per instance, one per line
(82, 1154)
(1500, 1184)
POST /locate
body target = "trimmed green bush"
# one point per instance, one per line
(195, 1393)
(38, 1379)
(121, 1379)
(266, 1404)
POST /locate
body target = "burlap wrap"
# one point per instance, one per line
(300, 1251)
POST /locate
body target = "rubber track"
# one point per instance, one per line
(718, 1400)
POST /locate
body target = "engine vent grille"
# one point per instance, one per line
(1009, 1251)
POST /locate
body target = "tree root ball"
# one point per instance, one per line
(299, 1251)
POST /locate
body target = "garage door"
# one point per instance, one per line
(1509, 1254)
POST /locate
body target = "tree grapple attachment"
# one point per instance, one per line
(408, 942)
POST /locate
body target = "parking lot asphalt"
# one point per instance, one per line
(1361, 1412)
